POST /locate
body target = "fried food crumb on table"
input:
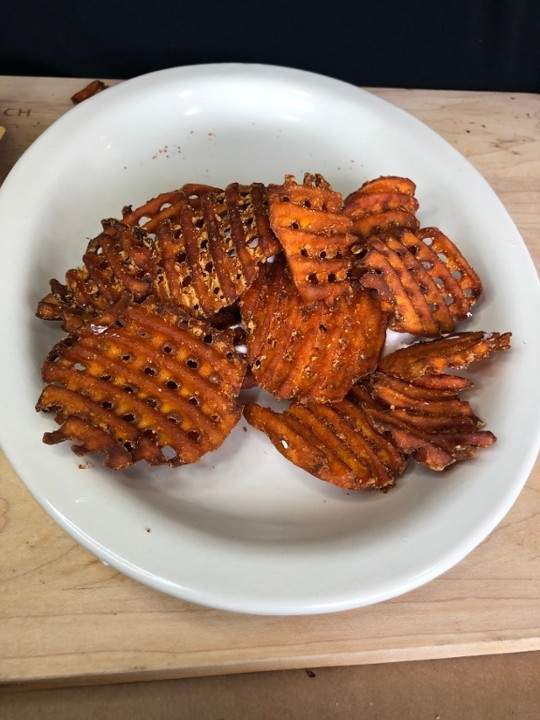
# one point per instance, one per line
(181, 303)
(92, 88)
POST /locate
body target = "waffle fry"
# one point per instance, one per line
(380, 205)
(309, 352)
(365, 441)
(153, 385)
(431, 358)
(432, 425)
(116, 263)
(315, 235)
(421, 279)
(309, 284)
(337, 443)
(208, 258)
(196, 247)
(412, 398)
(166, 206)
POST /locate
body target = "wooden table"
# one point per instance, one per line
(66, 619)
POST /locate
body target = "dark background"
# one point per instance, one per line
(475, 45)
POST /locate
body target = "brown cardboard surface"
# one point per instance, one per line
(497, 687)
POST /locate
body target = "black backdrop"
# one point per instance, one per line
(452, 44)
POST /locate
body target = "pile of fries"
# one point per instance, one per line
(202, 292)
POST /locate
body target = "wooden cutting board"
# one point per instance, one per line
(66, 618)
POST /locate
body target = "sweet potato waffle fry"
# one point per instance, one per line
(152, 385)
(166, 206)
(430, 424)
(196, 247)
(151, 368)
(366, 440)
(210, 255)
(386, 203)
(309, 352)
(335, 442)
(418, 404)
(315, 235)
(116, 263)
(421, 279)
(433, 357)
(119, 261)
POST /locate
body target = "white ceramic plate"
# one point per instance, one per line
(243, 529)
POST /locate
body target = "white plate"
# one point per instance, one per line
(243, 529)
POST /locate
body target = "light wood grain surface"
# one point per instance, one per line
(65, 618)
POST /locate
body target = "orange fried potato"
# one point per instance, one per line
(315, 235)
(366, 439)
(308, 284)
(152, 385)
(431, 424)
(412, 398)
(421, 279)
(431, 358)
(383, 204)
(166, 206)
(337, 443)
(117, 263)
(309, 352)
(207, 258)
